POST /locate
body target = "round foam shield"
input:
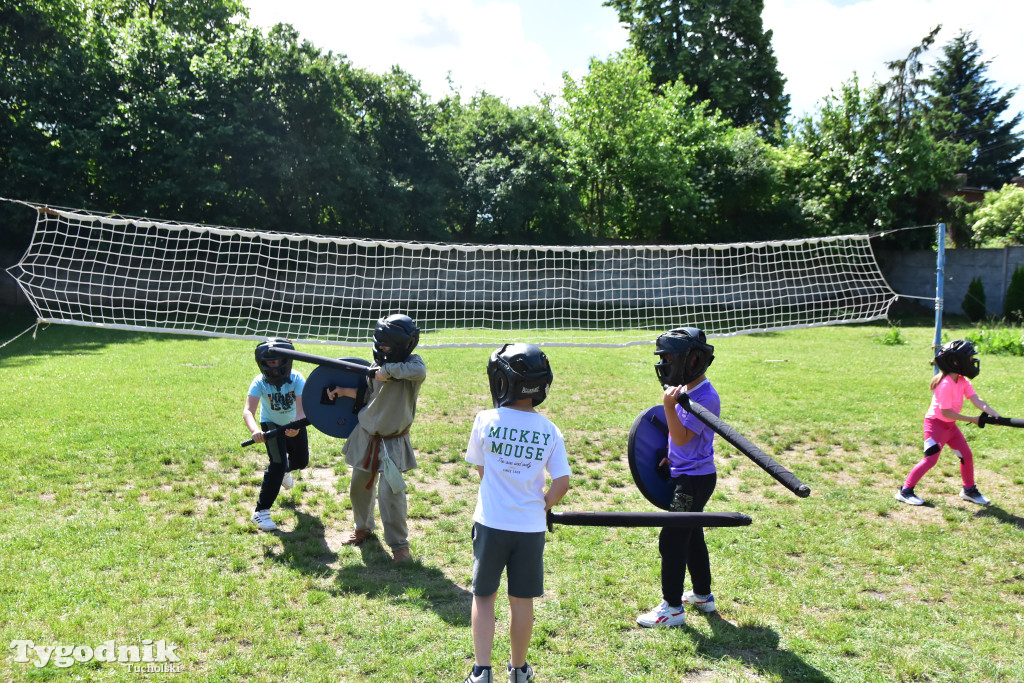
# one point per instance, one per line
(647, 446)
(334, 417)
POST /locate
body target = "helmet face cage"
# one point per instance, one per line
(958, 356)
(690, 356)
(518, 371)
(265, 352)
(397, 332)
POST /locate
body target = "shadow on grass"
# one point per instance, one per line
(305, 549)
(412, 582)
(1001, 515)
(757, 647)
(48, 340)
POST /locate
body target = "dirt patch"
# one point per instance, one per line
(320, 477)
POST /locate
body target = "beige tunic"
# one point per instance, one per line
(389, 411)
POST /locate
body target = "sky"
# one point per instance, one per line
(518, 49)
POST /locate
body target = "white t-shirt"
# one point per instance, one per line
(516, 448)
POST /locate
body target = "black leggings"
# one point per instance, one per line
(286, 453)
(683, 549)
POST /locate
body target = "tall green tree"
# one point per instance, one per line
(512, 182)
(968, 107)
(407, 183)
(718, 47)
(902, 93)
(637, 157)
(55, 92)
(205, 20)
(867, 167)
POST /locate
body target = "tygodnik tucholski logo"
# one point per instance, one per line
(146, 657)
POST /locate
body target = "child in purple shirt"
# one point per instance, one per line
(684, 357)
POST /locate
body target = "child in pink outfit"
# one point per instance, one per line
(949, 389)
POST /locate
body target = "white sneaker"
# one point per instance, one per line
(287, 482)
(973, 495)
(518, 676)
(663, 615)
(705, 603)
(909, 497)
(486, 676)
(262, 519)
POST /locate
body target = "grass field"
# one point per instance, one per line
(126, 497)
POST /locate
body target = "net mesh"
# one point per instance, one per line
(92, 269)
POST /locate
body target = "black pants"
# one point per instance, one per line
(286, 453)
(685, 549)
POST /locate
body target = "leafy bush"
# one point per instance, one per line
(974, 303)
(1013, 303)
(998, 340)
(1001, 216)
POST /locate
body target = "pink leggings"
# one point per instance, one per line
(941, 433)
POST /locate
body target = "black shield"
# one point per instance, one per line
(334, 417)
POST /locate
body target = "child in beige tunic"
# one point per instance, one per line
(383, 432)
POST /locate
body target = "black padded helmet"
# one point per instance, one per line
(265, 351)
(397, 332)
(958, 356)
(691, 356)
(517, 371)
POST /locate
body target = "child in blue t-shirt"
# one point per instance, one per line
(277, 391)
(684, 356)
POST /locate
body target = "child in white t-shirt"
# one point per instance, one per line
(515, 449)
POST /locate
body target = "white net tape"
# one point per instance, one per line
(138, 274)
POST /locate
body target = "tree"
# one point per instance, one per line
(408, 185)
(634, 154)
(968, 107)
(874, 160)
(511, 178)
(203, 20)
(55, 93)
(748, 190)
(974, 301)
(862, 171)
(1013, 302)
(719, 47)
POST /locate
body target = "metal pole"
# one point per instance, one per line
(940, 267)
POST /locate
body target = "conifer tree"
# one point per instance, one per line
(718, 47)
(966, 106)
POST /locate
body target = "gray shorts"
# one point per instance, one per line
(521, 552)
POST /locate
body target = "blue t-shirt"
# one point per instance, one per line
(277, 405)
(697, 456)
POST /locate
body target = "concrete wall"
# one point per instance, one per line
(913, 273)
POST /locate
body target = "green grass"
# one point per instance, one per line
(124, 516)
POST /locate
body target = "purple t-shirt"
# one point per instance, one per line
(698, 455)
